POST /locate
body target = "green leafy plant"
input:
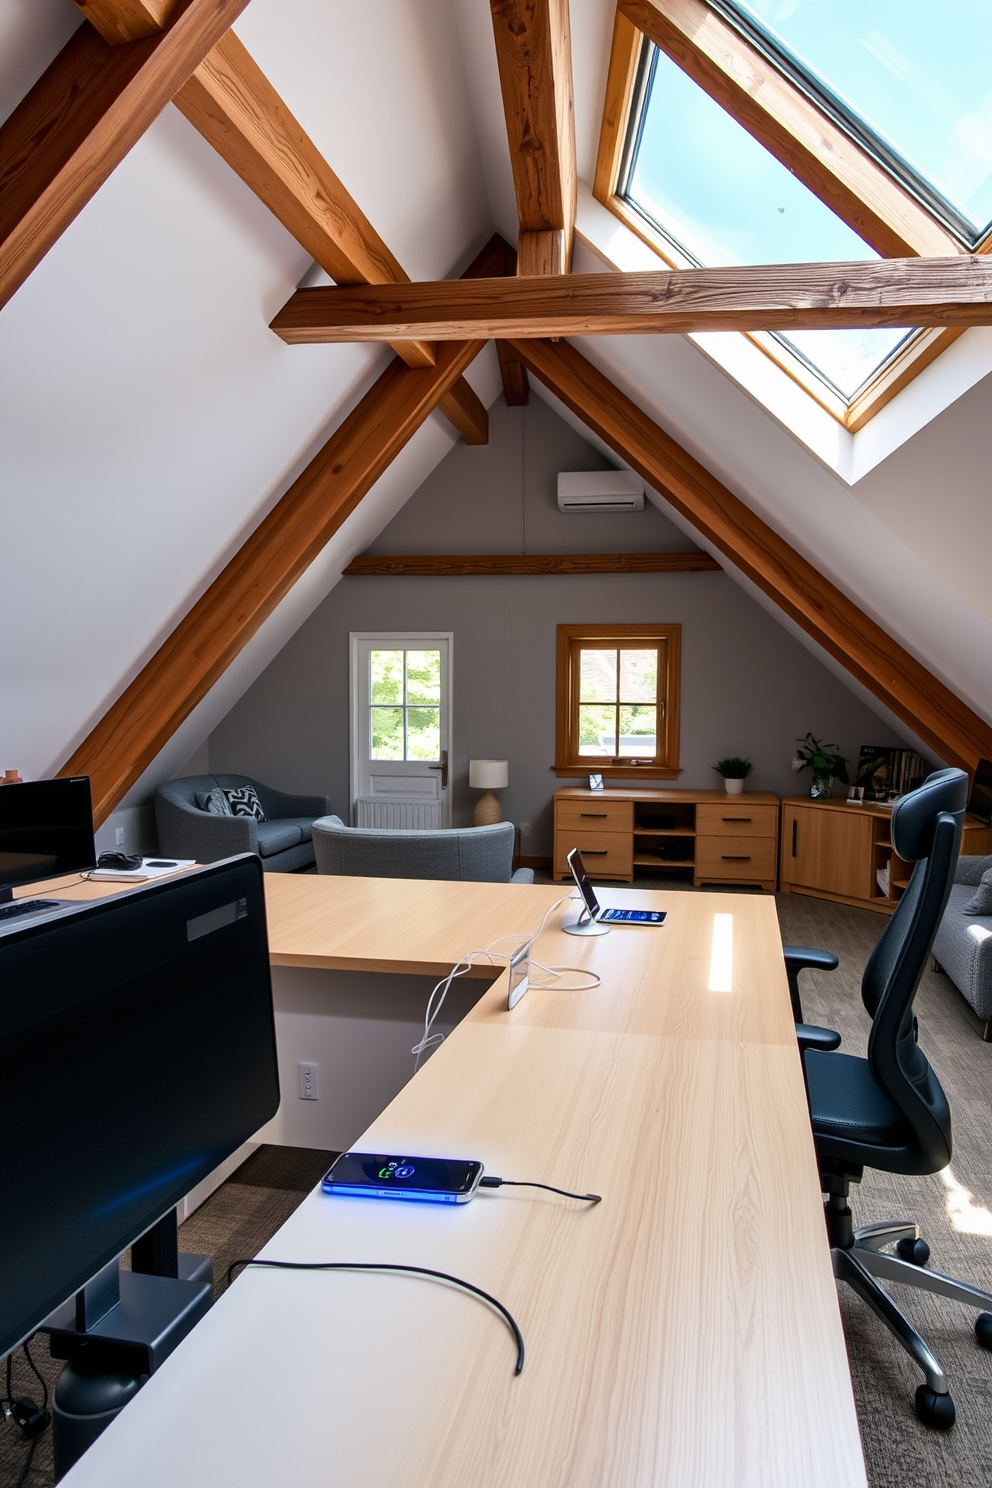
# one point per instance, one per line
(734, 767)
(821, 758)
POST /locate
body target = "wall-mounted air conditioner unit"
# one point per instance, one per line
(600, 491)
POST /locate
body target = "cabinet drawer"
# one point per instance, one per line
(735, 820)
(595, 816)
(743, 859)
(609, 853)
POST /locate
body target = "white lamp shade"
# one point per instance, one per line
(488, 774)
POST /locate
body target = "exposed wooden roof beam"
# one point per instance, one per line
(119, 21)
(453, 565)
(766, 297)
(534, 52)
(82, 117)
(822, 610)
(261, 573)
(804, 139)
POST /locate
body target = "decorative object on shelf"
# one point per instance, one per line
(595, 782)
(855, 795)
(824, 761)
(735, 768)
(488, 776)
(887, 773)
(12, 777)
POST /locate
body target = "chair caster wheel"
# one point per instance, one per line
(983, 1329)
(933, 1409)
(916, 1252)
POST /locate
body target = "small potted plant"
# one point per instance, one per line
(735, 769)
(824, 762)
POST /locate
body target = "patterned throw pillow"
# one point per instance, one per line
(981, 904)
(244, 802)
(214, 801)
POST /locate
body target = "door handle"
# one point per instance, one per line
(736, 857)
(795, 827)
(443, 767)
(592, 813)
(595, 852)
(735, 818)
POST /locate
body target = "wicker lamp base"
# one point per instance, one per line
(487, 810)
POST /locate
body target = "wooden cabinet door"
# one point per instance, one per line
(828, 850)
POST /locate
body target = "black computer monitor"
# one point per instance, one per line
(46, 828)
(980, 800)
(137, 1052)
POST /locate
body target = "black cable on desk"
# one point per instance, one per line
(457, 1281)
(488, 1182)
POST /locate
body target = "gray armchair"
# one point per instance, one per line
(963, 944)
(475, 854)
(282, 841)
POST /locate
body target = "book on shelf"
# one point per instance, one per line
(888, 773)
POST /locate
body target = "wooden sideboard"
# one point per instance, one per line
(719, 837)
(835, 851)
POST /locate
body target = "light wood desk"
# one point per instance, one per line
(683, 1332)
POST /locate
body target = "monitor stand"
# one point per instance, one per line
(586, 925)
(117, 1331)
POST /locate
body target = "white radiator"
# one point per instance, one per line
(398, 815)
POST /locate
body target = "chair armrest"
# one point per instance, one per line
(811, 1037)
(969, 869)
(523, 875)
(801, 958)
(186, 832)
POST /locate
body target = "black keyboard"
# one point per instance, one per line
(25, 906)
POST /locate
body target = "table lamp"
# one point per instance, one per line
(487, 776)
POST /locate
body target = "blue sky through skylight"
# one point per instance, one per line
(919, 73)
(725, 199)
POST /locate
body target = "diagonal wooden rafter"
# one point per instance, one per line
(186, 665)
(798, 133)
(120, 21)
(901, 682)
(763, 297)
(82, 117)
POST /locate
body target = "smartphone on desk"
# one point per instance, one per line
(379, 1175)
(633, 916)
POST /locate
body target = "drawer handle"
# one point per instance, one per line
(736, 857)
(595, 852)
(592, 813)
(795, 829)
(735, 818)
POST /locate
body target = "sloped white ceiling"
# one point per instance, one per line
(148, 418)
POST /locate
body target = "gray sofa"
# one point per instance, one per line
(282, 841)
(963, 944)
(475, 854)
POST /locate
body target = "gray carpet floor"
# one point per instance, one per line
(953, 1209)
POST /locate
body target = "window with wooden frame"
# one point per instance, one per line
(755, 69)
(618, 700)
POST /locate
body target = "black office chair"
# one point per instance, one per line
(888, 1111)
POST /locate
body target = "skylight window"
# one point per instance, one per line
(913, 79)
(720, 198)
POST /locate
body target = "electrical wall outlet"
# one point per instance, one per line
(119, 837)
(525, 829)
(309, 1080)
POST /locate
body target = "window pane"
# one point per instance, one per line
(916, 72)
(386, 674)
(638, 676)
(725, 200)
(597, 729)
(423, 734)
(386, 732)
(597, 676)
(423, 677)
(638, 728)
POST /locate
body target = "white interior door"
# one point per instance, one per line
(401, 726)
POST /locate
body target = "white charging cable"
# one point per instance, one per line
(431, 1040)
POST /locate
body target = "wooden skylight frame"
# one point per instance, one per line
(827, 160)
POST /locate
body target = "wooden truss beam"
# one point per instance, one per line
(119, 21)
(82, 117)
(843, 175)
(766, 297)
(261, 573)
(534, 53)
(453, 565)
(823, 611)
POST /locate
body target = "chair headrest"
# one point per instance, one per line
(914, 816)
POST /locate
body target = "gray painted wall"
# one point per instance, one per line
(747, 686)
